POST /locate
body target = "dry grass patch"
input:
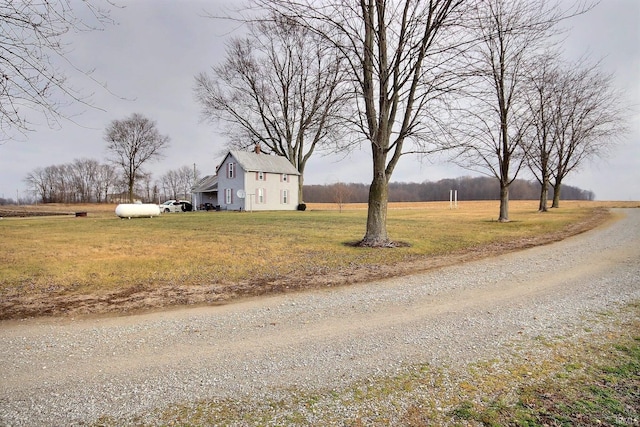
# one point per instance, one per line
(64, 264)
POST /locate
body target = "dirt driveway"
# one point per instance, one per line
(71, 371)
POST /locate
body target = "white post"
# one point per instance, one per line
(450, 199)
(455, 196)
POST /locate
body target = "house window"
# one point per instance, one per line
(285, 196)
(261, 196)
(228, 196)
(231, 170)
(285, 177)
(260, 176)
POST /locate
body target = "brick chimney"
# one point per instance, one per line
(256, 149)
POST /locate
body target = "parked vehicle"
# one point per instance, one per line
(176, 206)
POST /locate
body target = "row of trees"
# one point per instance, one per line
(468, 188)
(31, 47)
(576, 116)
(89, 181)
(132, 143)
(482, 80)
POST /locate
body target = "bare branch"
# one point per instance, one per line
(280, 86)
(132, 143)
(31, 44)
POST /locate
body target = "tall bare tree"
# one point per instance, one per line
(31, 43)
(38, 181)
(279, 87)
(542, 100)
(510, 33)
(591, 117)
(83, 173)
(131, 143)
(397, 54)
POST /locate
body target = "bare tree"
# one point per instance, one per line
(341, 194)
(155, 193)
(37, 180)
(510, 33)
(31, 43)
(171, 182)
(106, 181)
(144, 186)
(397, 55)
(84, 174)
(133, 142)
(83, 180)
(188, 176)
(279, 87)
(542, 101)
(61, 183)
(177, 183)
(577, 116)
(591, 116)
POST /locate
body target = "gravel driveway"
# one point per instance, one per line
(73, 371)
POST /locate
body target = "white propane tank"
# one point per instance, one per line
(137, 210)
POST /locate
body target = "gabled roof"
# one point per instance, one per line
(260, 162)
(206, 185)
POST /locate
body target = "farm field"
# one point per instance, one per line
(63, 264)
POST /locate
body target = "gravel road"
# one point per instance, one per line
(63, 371)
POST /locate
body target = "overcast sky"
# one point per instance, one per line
(150, 57)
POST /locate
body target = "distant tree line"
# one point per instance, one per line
(468, 188)
(7, 201)
(81, 181)
(89, 181)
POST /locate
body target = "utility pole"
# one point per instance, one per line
(194, 198)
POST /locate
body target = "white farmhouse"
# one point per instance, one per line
(257, 181)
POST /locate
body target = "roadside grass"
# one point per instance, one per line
(102, 253)
(589, 379)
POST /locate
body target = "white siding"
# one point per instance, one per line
(263, 190)
(271, 188)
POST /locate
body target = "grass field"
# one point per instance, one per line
(55, 264)
(219, 255)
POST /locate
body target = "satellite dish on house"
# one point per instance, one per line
(241, 194)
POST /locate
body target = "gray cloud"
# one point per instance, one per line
(149, 60)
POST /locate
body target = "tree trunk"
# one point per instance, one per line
(376, 234)
(556, 194)
(300, 186)
(544, 195)
(504, 202)
(131, 191)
